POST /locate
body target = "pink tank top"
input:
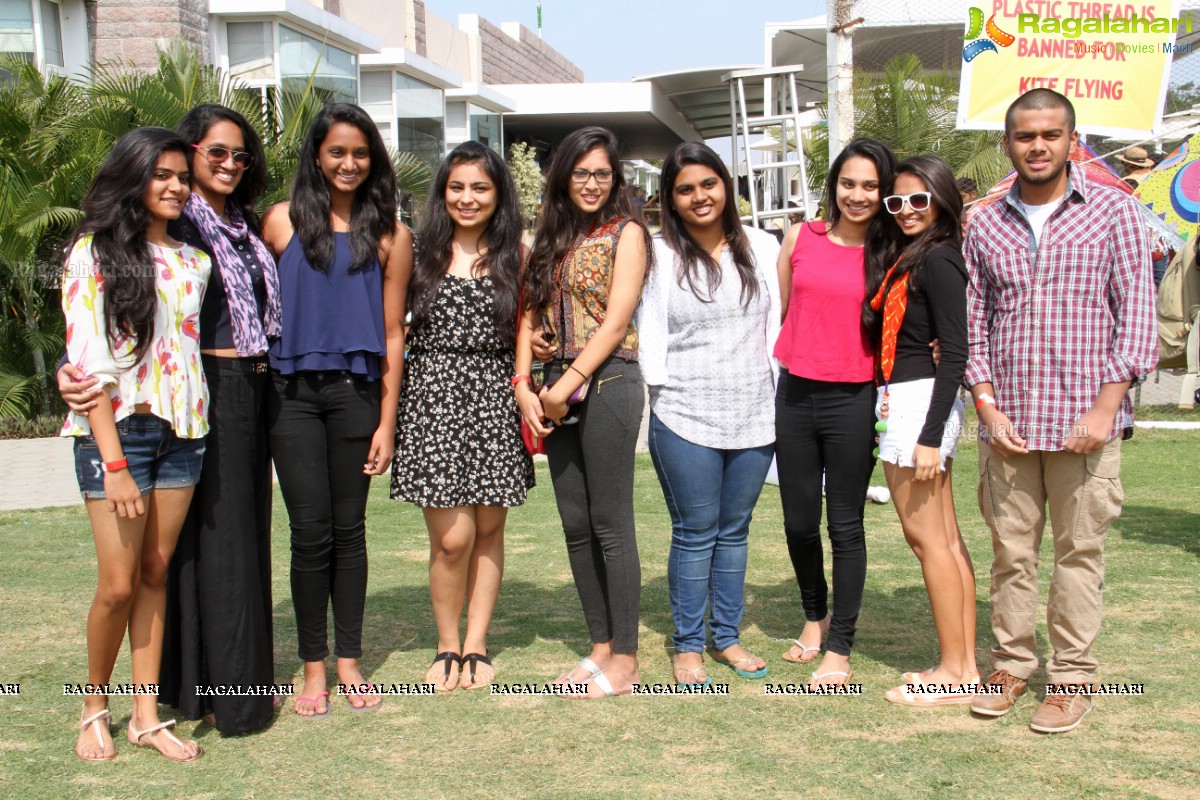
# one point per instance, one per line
(822, 337)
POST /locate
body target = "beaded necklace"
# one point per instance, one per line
(892, 298)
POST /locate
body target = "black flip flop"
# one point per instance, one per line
(448, 657)
(472, 659)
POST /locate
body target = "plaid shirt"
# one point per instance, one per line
(1050, 321)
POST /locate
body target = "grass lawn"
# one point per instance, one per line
(470, 744)
(1168, 413)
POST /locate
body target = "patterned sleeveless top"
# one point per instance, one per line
(579, 301)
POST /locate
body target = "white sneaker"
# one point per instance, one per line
(878, 494)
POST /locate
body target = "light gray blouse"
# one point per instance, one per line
(708, 364)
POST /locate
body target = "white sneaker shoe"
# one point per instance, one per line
(878, 494)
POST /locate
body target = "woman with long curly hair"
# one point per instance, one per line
(132, 296)
(585, 276)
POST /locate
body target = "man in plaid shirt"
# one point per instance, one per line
(1061, 319)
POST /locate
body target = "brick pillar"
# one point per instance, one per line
(130, 31)
(419, 24)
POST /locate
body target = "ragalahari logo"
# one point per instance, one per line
(995, 36)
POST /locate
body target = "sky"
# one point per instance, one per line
(615, 40)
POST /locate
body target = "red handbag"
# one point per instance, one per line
(534, 444)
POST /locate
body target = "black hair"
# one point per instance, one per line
(373, 214)
(115, 214)
(253, 185)
(967, 185)
(690, 255)
(502, 259)
(881, 230)
(561, 221)
(946, 229)
(1037, 100)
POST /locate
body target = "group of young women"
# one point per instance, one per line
(203, 345)
(873, 349)
(200, 346)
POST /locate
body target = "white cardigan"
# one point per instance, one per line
(652, 312)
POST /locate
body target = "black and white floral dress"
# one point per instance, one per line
(458, 439)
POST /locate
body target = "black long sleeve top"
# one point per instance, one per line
(937, 309)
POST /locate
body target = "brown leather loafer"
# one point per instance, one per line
(999, 693)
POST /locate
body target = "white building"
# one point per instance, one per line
(428, 83)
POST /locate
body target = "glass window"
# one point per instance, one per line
(485, 128)
(377, 94)
(16, 27)
(336, 70)
(385, 130)
(420, 127)
(251, 51)
(52, 49)
(456, 115)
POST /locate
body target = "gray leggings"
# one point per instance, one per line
(591, 465)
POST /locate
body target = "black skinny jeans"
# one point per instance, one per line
(824, 428)
(591, 465)
(321, 429)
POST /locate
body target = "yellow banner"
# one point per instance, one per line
(1111, 60)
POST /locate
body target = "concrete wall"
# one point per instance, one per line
(391, 20)
(445, 44)
(130, 31)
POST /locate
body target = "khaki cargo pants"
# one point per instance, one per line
(1084, 496)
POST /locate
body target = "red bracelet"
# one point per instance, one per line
(521, 379)
(116, 466)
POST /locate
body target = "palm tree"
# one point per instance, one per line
(913, 110)
(53, 136)
(124, 100)
(45, 168)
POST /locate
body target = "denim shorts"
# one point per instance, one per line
(158, 459)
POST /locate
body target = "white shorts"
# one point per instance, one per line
(907, 406)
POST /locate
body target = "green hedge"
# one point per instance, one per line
(36, 428)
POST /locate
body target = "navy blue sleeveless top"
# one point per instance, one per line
(333, 320)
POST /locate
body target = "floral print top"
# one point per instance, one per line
(169, 377)
(579, 302)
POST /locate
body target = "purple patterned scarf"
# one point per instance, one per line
(249, 337)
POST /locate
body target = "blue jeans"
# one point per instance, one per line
(711, 495)
(158, 459)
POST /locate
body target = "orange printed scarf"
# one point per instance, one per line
(892, 298)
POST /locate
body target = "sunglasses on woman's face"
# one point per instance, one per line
(917, 201)
(218, 155)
